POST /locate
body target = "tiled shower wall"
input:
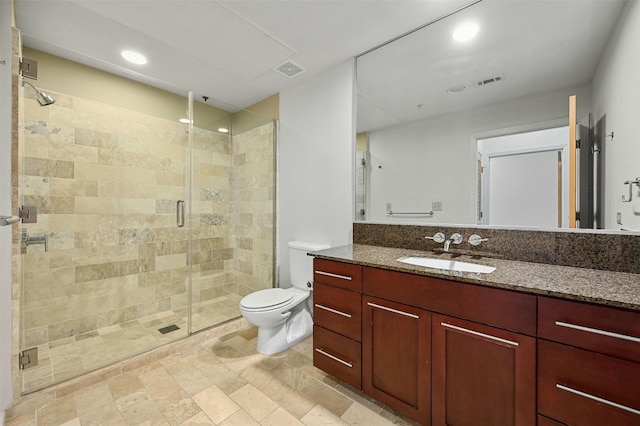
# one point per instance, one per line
(106, 182)
(253, 189)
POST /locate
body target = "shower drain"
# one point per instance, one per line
(168, 329)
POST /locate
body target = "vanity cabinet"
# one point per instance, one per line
(588, 363)
(462, 350)
(481, 375)
(337, 319)
(447, 353)
(396, 349)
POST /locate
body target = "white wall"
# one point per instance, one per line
(315, 161)
(5, 206)
(616, 93)
(432, 160)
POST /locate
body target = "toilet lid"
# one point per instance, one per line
(269, 298)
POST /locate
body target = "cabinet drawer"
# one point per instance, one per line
(611, 331)
(338, 310)
(586, 388)
(344, 275)
(500, 308)
(337, 355)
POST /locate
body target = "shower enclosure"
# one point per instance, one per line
(148, 229)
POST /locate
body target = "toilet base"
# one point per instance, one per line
(276, 339)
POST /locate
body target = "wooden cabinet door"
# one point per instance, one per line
(481, 375)
(395, 356)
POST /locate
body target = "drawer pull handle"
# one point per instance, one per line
(329, 274)
(598, 399)
(596, 331)
(406, 314)
(477, 333)
(335, 358)
(326, 308)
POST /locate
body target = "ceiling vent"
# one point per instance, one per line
(289, 69)
(490, 80)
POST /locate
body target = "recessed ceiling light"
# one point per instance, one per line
(184, 120)
(456, 89)
(134, 57)
(223, 130)
(465, 32)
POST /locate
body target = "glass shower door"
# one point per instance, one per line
(233, 213)
(104, 267)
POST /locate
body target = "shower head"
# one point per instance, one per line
(42, 98)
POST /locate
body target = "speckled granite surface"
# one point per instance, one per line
(606, 251)
(618, 289)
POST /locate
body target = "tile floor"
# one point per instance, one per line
(221, 381)
(66, 358)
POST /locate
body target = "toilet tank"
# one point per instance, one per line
(301, 265)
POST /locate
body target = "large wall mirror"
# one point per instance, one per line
(476, 131)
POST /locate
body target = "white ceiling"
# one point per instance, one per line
(536, 45)
(226, 50)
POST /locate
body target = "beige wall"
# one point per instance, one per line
(256, 115)
(362, 140)
(63, 76)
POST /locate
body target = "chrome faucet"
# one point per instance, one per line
(455, 239)
(439, 237)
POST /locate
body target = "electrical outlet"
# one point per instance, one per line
(436, 206)
(619, 218)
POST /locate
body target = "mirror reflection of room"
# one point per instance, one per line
(426, 100)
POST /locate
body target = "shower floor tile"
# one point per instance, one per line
(221, 381)
(73, 356)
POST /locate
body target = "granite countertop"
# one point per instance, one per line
(618, 289)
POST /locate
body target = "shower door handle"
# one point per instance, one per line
(180, 213)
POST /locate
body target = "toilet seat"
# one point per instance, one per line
(268, 299)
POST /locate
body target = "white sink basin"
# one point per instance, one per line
(450, 265)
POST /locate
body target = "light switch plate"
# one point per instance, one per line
(619, 218)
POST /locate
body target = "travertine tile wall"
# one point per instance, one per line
(106, 182)
(253, 188)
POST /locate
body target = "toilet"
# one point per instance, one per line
(284, 315)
